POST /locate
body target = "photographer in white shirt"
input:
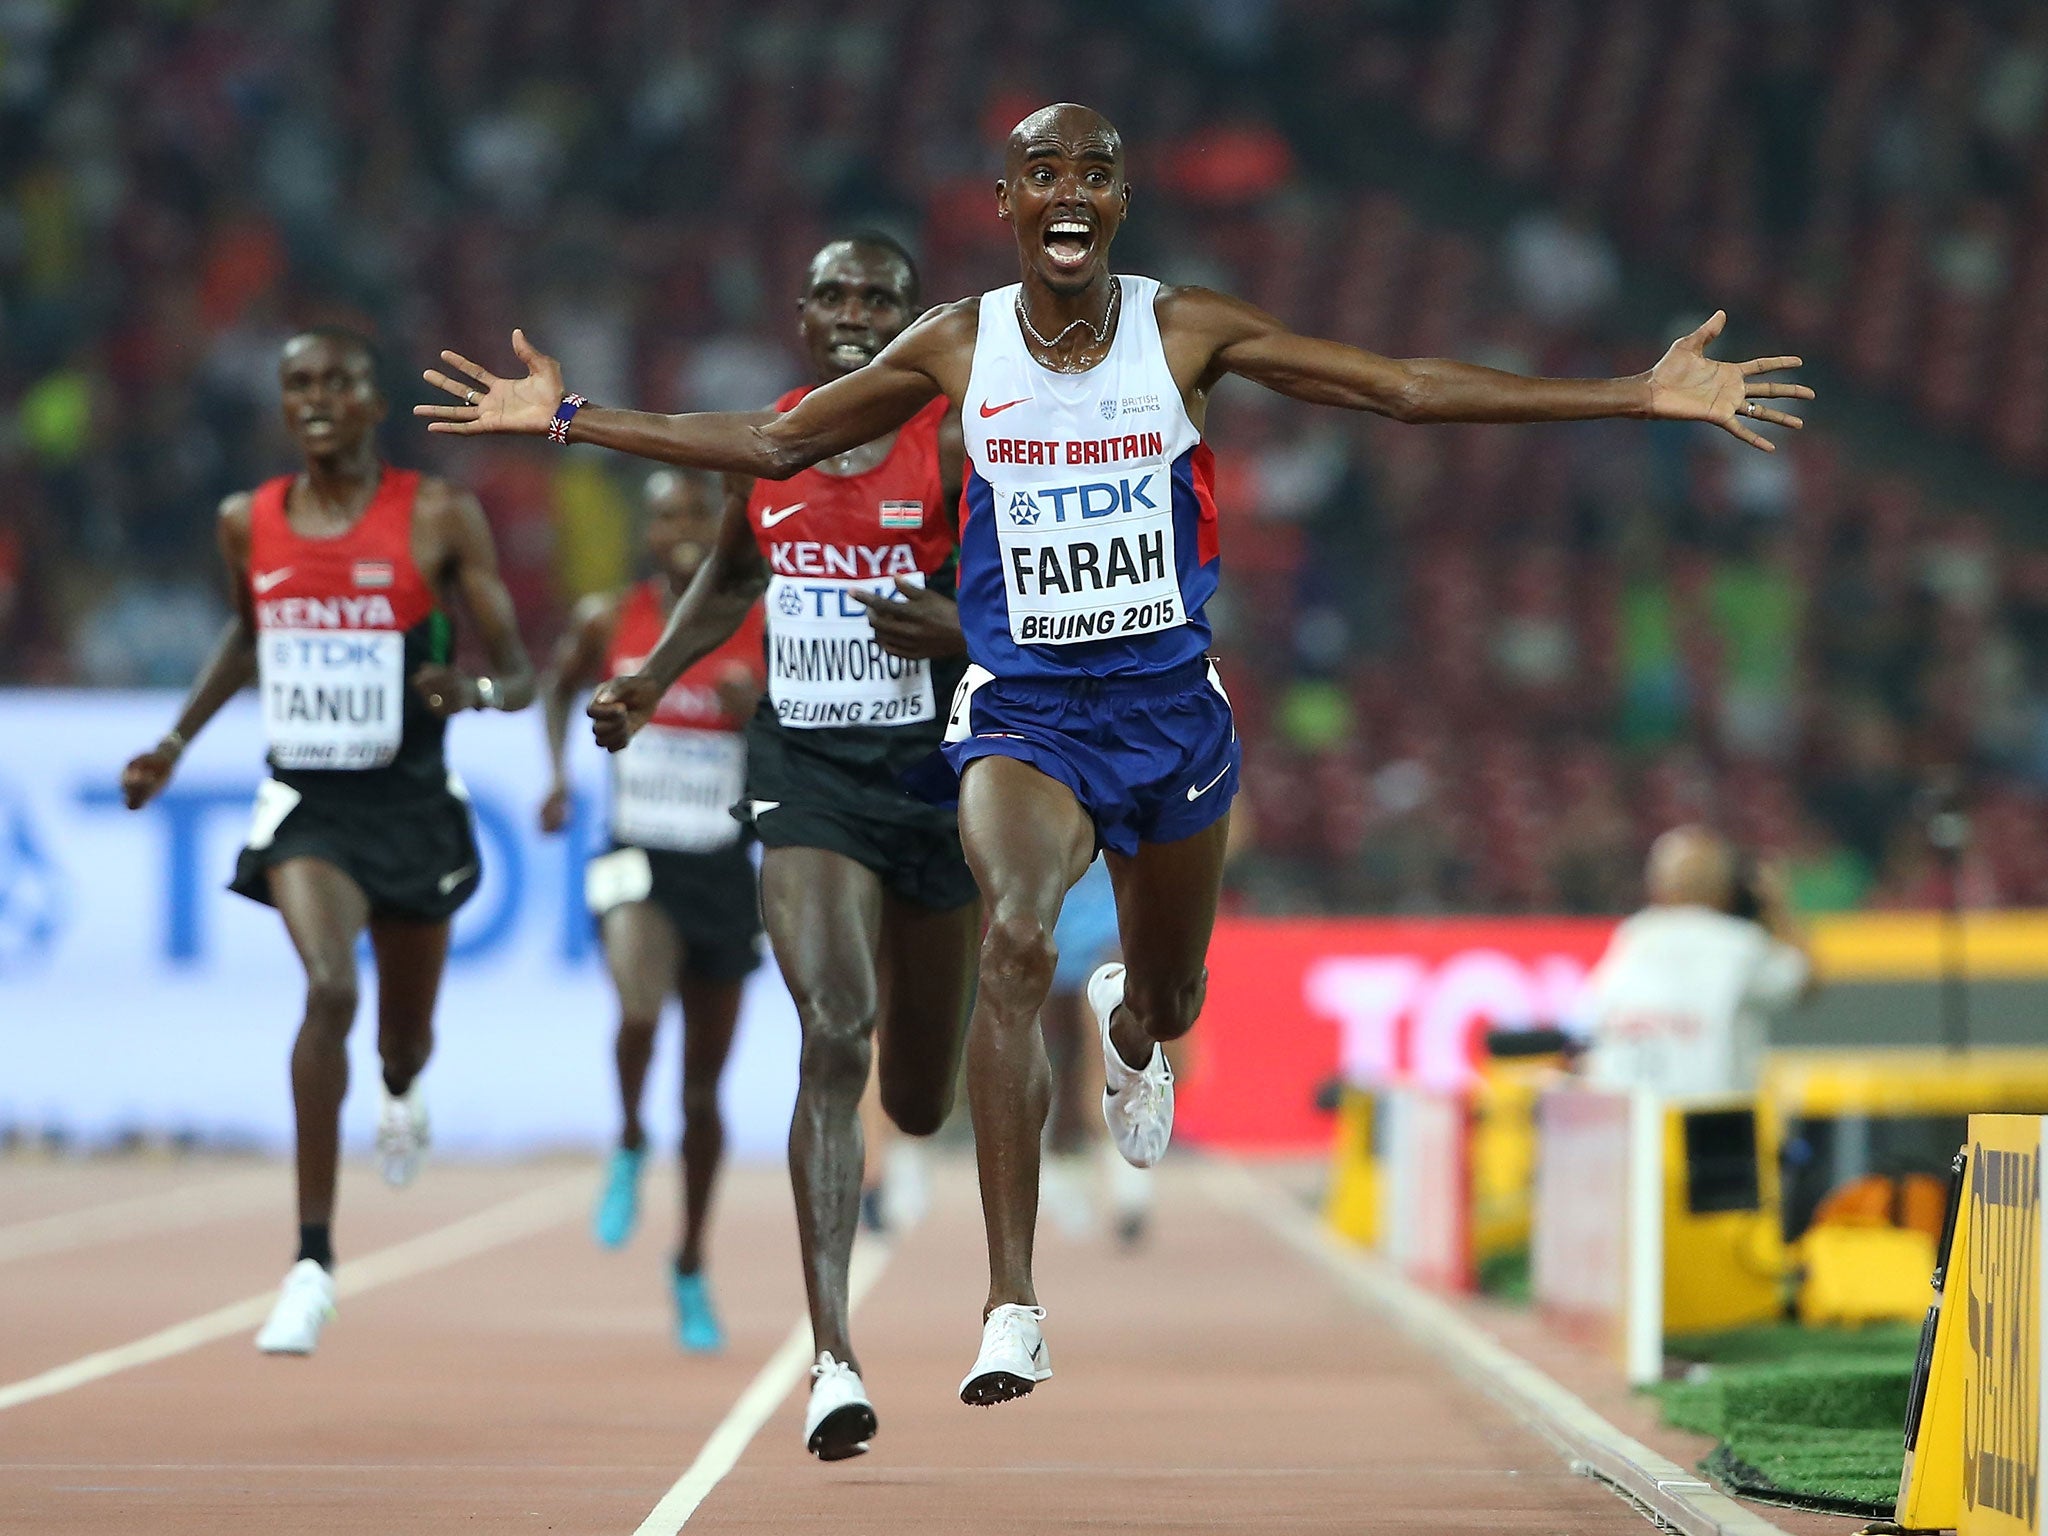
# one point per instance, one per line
(1679, 1004)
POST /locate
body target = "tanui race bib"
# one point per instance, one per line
(825, 666)
(1088, 558)
(332, 698)
(675, 789)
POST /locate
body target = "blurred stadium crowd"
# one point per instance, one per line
(1478, 667)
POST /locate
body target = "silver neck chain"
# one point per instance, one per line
(1099, 332)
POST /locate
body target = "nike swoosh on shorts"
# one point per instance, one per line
(453, 879)
(1196, 794)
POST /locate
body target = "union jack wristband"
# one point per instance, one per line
(558, 429)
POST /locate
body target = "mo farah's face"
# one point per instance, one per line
(331, 401)
(1065, 195)
(858, 301)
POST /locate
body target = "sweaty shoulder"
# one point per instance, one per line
(1197, 323)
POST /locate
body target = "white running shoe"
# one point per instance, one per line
(840, 1420)
(1137, 1104)
(402, 1136)
(1013, 1356)
(304, 1306)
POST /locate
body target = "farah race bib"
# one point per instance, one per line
(675, 789)
(825, 666)
(1090, 560)
(332, 698)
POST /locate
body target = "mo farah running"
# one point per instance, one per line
(342, 576)
(868, 902)
(674, 898)
(1088, 551)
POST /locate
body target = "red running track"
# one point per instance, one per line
(1215, 1381)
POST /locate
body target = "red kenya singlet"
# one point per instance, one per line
(675, 784)
(827, 536)
(342, 623)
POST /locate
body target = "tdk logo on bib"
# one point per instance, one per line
(1100, 499)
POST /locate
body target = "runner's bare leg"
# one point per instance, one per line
(1027, 840)
(823, 912)
(1166, 910)
(323, 911)
(411, 958)
(711, 1013)
(643, 953)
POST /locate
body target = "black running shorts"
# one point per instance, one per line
(839, 790)
(415, 859)
(711, 898)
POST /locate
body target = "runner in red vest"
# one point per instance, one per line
(869, 904)
(675, 899)
(341, 581)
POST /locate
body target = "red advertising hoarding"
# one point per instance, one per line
(1293, 1002)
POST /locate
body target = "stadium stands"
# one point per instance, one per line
(1479, 667)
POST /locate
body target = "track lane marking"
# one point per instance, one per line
(188, 1205)
(1669, 1494)
(757, 1404)
(494, 1226)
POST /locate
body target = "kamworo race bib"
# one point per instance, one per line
(1089, 561)
(825, 666)
(675, 789)
(332, 698)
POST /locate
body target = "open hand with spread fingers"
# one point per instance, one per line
(1688, 385)
(491, 404)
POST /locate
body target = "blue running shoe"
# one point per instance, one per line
(618, 1207)
(697, 1329)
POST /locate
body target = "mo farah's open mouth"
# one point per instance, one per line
(1069, 242)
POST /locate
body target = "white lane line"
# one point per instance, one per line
(166, 1211)
(756, 1405)
(1673, 1495)
(492, 1227)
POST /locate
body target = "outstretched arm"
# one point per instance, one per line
(849, 411)
(1224, 336)
(730, 581)
(228, 670)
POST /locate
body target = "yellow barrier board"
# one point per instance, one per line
(2002, 1460)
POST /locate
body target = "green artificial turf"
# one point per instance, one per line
(1813, 1417)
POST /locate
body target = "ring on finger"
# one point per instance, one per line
(434, 699)
(470, 398)
(1749, 407)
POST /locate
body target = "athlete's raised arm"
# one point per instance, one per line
(833, 418)
(710, 611)
(229, 669)
(1213, 335)
(470, 568)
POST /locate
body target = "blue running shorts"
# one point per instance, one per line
(1151, 759)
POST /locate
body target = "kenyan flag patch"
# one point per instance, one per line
(902, 514)
(372, 573)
